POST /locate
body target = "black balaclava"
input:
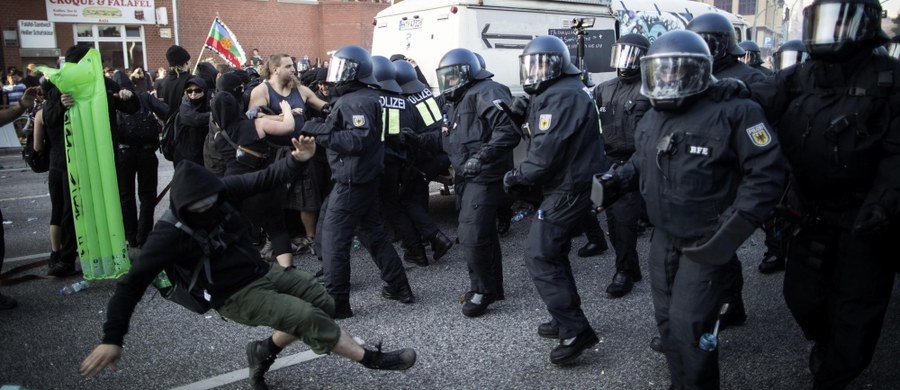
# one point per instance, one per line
(192, 183)
(225, 109)
(77, 52)
(198, 82)
(229, 82)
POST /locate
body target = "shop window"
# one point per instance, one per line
(110, 31)
(121, 47)
(84, 30)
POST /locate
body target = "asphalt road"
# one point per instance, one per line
(47, 336)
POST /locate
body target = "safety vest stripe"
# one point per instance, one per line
(429, 111)
(390, 119)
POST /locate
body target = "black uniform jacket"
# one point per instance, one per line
(839, 126)
(566, 148)
(475, 125)
(355, 147)
(621, 106)
(698, 166)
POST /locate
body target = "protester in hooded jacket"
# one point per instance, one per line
(193, 122)
(248, 137)
(136, 159)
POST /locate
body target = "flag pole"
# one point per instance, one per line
(200, 57)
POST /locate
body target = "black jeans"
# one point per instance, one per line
(479, 241)
(142, 164)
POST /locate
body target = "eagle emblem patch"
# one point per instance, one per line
(359, 120)
(759, 135)
(544, 121)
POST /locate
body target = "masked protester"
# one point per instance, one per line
(288, 299)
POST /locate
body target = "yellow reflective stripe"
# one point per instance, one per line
(384, 122)
(393, 127)
(429, 111)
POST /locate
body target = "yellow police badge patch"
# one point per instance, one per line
(359, 120)
(759, 135)
(544, 122)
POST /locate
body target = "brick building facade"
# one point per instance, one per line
(297, 27)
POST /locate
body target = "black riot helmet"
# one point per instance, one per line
(751, 56)
(718, 32)
(385, 73)
(789, 53)
(893, 47)
(676, 69)
(626, 56)
(351, 63)
(834, 30)
(408, 78)
(456, 72)
(545, 59)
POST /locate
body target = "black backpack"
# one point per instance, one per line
(184, 290)
(138, 129)
(167, 139)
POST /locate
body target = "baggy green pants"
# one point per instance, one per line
(288, 300)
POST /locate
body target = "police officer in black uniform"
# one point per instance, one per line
(479, 140)
(790, 53)
(394, 116)
(839, 123)
(621, 106)
(718, 32)
(710, 171)
(565, 149)
(753, 57)
(352, 134)
(421, 166)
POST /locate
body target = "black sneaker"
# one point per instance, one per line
(548, 331)
(7, 303)
(342, 309)
(570, 349)
(61, 269)
(400, 359)
(593, 249)
(403, 294)
(476, 304)
(259, 360)
(622, 284)
(735, 316)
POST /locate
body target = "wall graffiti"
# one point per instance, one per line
(651, 24)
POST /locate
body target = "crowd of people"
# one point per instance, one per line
(693, 136)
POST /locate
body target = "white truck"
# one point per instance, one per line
(499, 29)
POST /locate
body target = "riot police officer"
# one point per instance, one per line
(753, 57)
(839, 124)
(422, 166)
(352, 135)
(718, 32)
(479, 140)
(710, 171)
(564, 151)
(789, 53)
(621, 106)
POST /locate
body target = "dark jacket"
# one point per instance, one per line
(236, 266)
(193, 125)
(621, 106)
(839, 126)
(723, 159)
(475, 125)
(566, 149)
(355, 148)
(172, 89)
(730, 67)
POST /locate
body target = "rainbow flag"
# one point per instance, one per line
(222, 41)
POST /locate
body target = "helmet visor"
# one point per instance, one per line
(835, 23)
(341, 69)
(537, 67)
(625, 56)
(893, 50)
(786, 58)
(453, 77)
(675, 76)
